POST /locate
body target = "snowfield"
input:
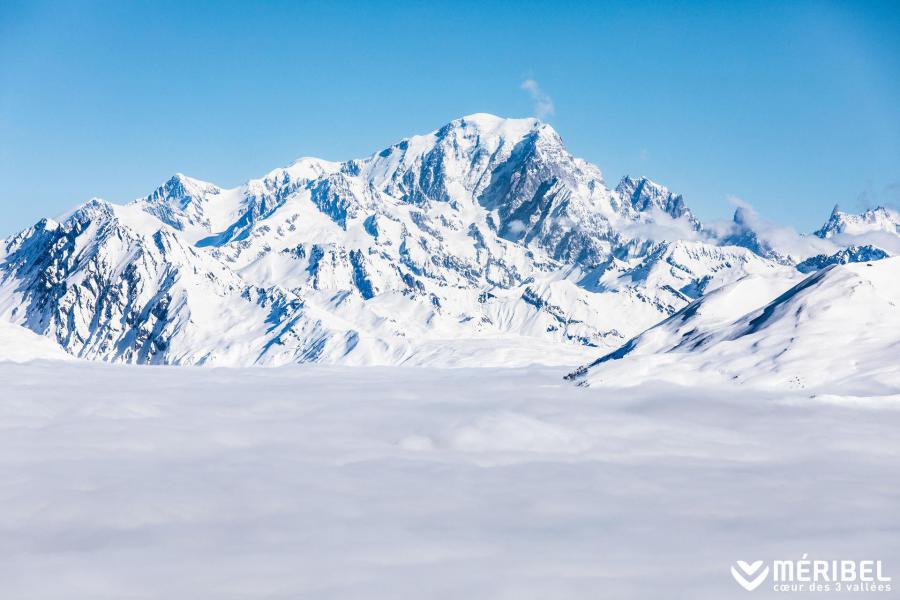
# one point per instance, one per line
(18, 344)
(333, 482)
(838, 330)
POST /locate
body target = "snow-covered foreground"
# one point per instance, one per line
(315, 482)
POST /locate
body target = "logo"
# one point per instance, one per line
(749, 575)
(813, 575)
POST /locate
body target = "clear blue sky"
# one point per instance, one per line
(791, 106)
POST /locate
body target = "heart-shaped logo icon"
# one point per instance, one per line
(749, 576)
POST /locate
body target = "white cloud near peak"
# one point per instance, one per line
(543, 103)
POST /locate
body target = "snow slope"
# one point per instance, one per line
(837, 329)
(18, 344)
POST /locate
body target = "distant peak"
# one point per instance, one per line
(182, 179)
(641, 190)
(880, 218)
(96, 202)
(305, 167)
(89, 209)
(180, 184)
(643, 195)
(884, 210)
(629, 185)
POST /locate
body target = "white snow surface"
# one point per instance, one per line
(18, 344)
(334, 482)
(836, 330)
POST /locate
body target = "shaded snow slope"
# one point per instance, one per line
(837, 329)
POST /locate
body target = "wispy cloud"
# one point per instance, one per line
(659, 226)
(782, 240)
(543, 104)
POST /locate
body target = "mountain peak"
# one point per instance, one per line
(878, 219)
(92, 207)
(179, 189)
(743, 215)
(178, 202)
(643, 195)
(486, 126)
(850, 254)
(305, 167)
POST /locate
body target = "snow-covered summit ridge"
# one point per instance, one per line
(644, 194)
(851, 254)
(881, 218)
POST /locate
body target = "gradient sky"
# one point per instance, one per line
(792, 107)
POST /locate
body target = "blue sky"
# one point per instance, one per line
(792, 107)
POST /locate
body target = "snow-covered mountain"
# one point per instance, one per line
(749, 231)
(878, 227)
(875, 219)
(484, 242)
(839, 327)
(851, 254)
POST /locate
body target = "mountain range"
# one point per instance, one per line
(482, 243)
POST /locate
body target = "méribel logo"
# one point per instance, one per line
(749, 575)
